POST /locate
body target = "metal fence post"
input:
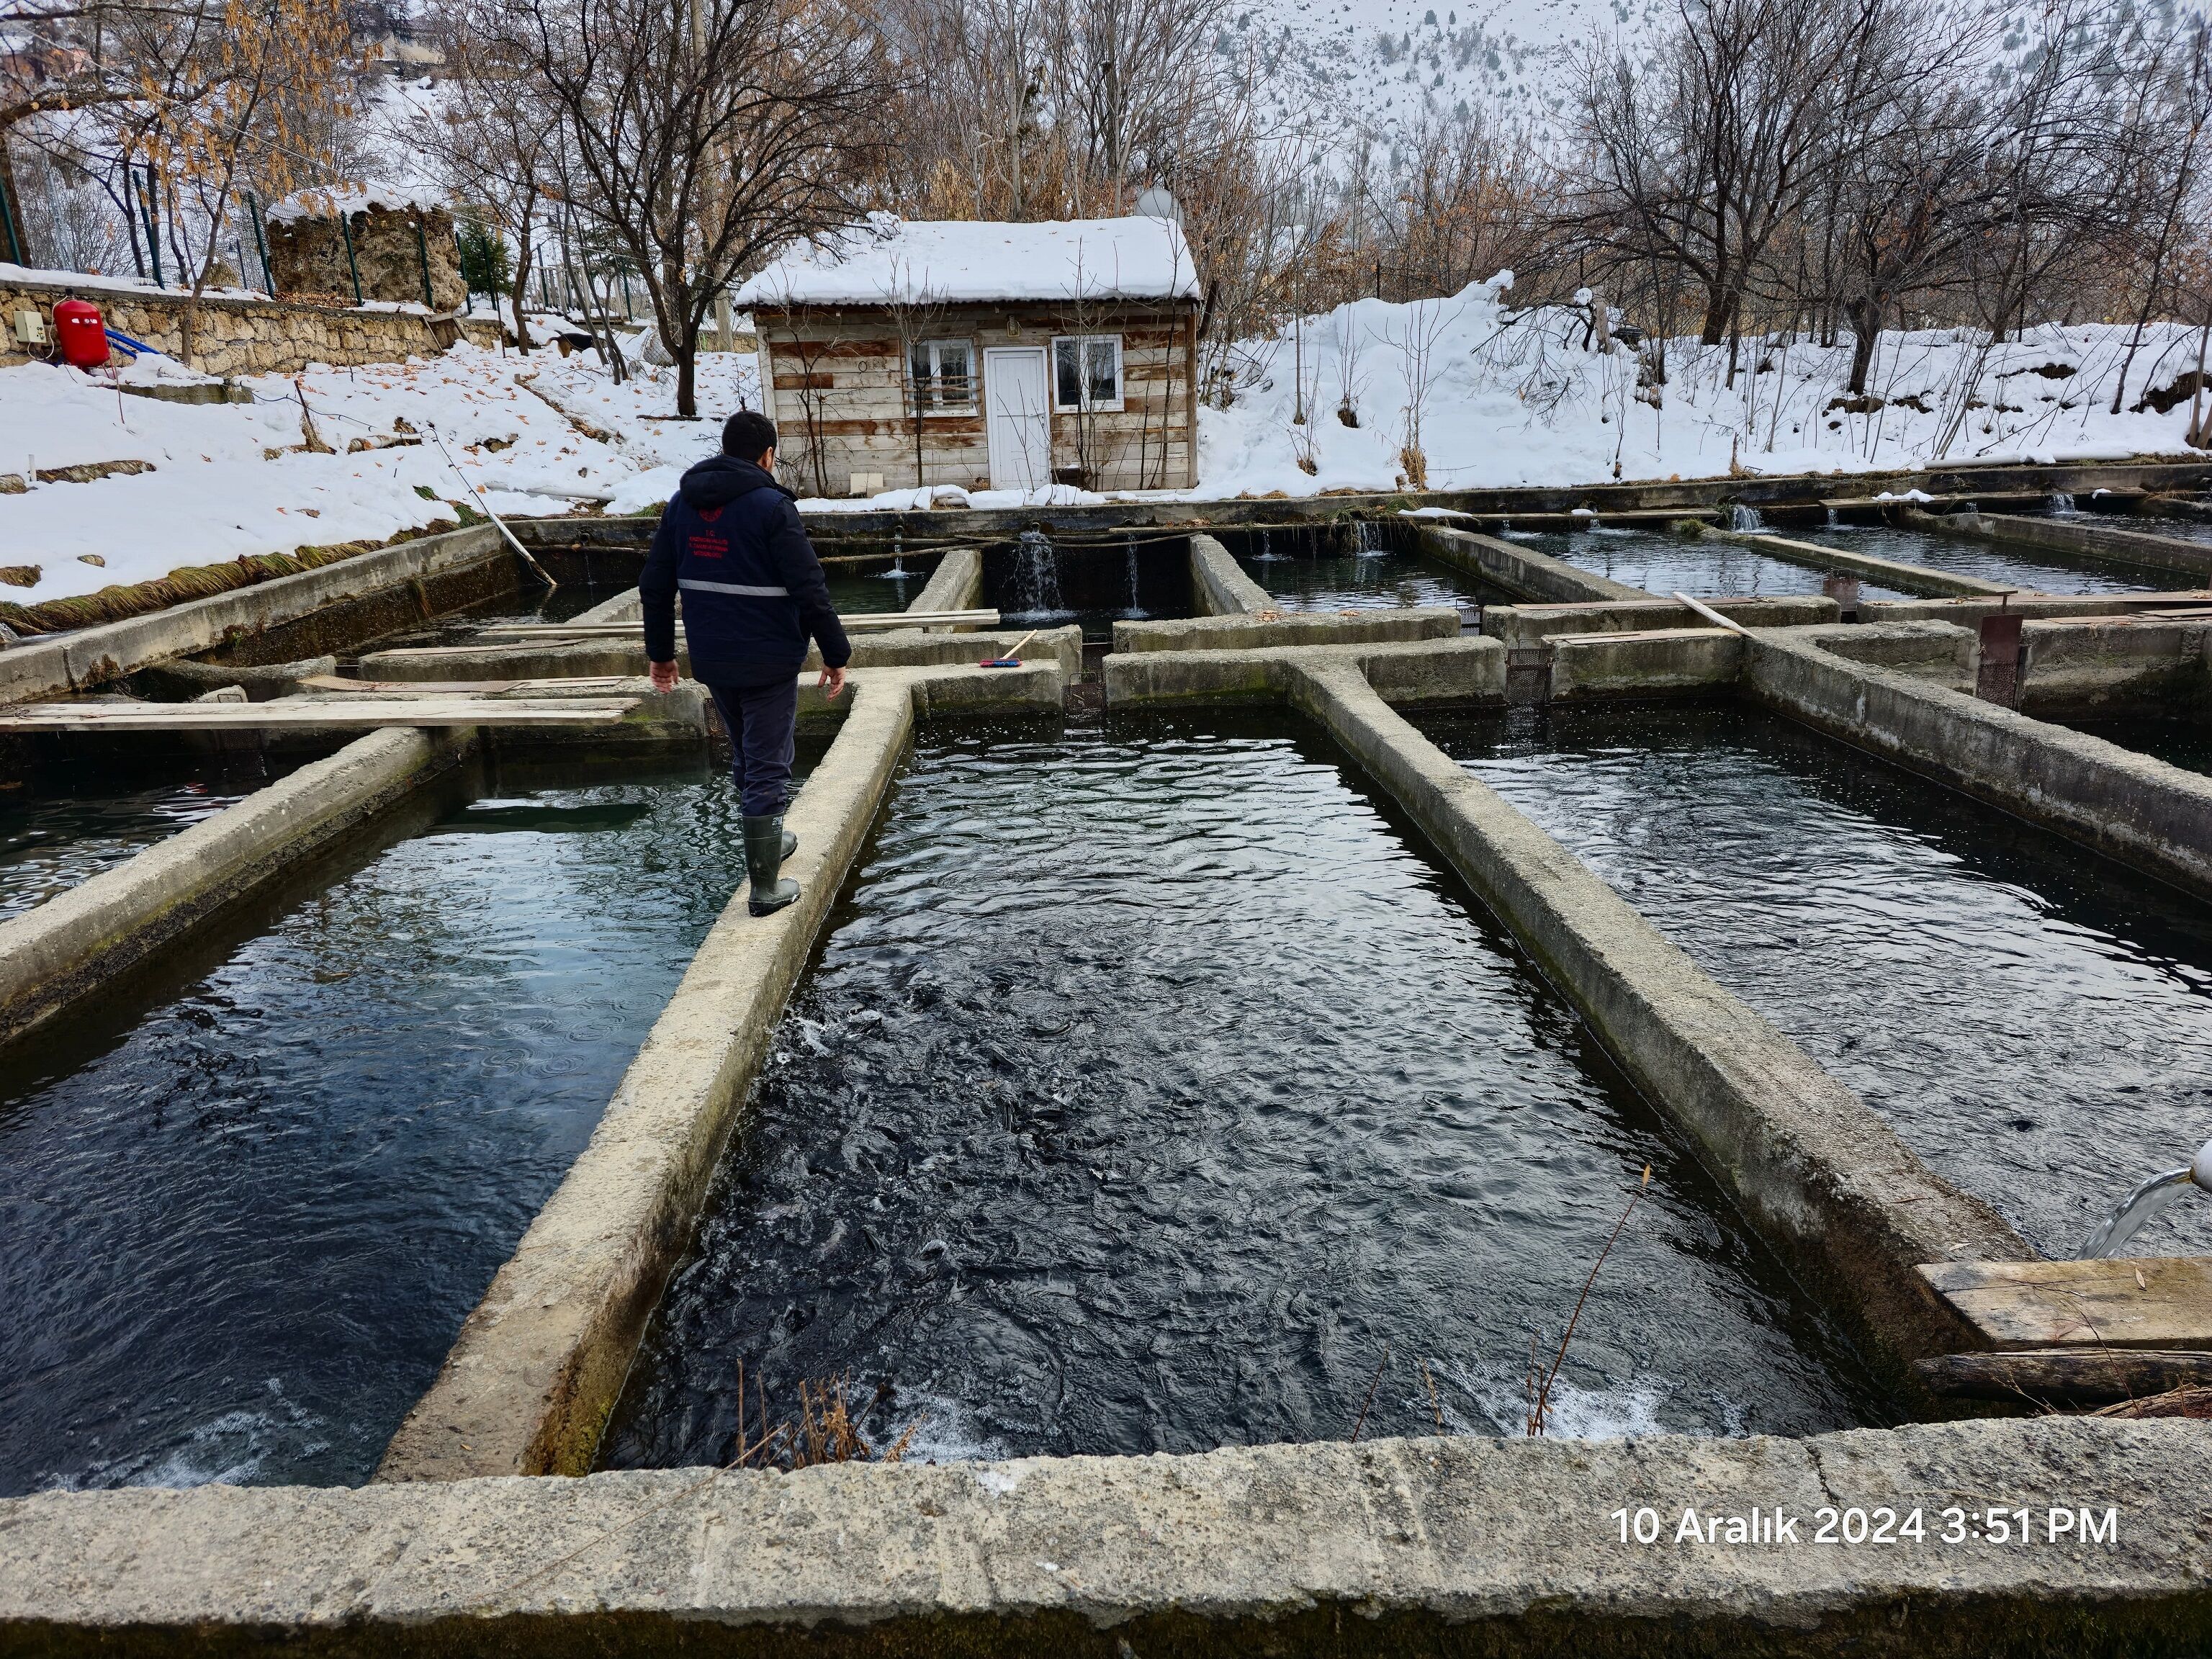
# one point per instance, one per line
(345, 229)
(260, 244)
(423, 257)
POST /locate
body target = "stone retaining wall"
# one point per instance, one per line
(254, 337)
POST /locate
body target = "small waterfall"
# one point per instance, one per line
(1745, 517)
(1035, 576)
(1134, 611)
(2062, 502)
(1366, 541)
(1832, 518)
(1266, 555)
(2151, 1199)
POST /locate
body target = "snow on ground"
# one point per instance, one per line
(1514, 397)
(1508, 398)
(236, 479)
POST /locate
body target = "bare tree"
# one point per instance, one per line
(1703, 159)
(917, 314)
(2183, 99)
(491, 139)
(706, 133)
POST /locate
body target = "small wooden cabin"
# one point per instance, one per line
(991, 356)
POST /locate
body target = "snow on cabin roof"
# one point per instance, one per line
(329, 202)
(890, 260)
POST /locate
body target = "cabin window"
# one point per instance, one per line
(944, 376)
(1086, 371)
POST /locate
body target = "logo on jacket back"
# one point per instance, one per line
(706, 546)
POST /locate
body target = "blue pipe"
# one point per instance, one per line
(136, 347)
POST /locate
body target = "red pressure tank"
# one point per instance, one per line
(80, 333)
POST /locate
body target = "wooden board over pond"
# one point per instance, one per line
(2162, 1301)
(357, 711)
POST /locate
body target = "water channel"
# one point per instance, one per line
(2035, 1021)
(1380, 570)
(1667, 564)
(1991, 562)
(248, 1197)
(64, 822)
(1149, 1085)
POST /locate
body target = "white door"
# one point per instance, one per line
(1019, 417)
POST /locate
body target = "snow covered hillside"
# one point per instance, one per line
(1516, 397)
(1382, 64)
(225, 480)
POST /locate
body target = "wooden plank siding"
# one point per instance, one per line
(837, 392)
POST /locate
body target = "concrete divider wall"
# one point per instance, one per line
(1525, 627)
(1968, 613)
(957, 583)
(2142, 811)
(1662, 663)
(1219, 587)
(536, 1367)
(1903, 578)
(97, 656)
(1469, 670)
(1819, 1172)
(58, 952)
(1938, 652)
(1249, 633)
(1503, 1548)
(2068, 535)
(2090, 665)
(1518, 569)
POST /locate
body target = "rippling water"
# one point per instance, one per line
(1664, 564)
(243, 1214)
(858, 593)
(2035, 1021)
(1339, 581)
(61, 827)
(1991, 562)
(1147, 1086)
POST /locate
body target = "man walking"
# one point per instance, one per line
(753, 595)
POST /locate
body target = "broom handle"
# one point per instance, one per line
(1019, 643)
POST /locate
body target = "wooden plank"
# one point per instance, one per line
(362, 712)
(2074, 1377)
(2162, 1301)
(865, 622)
(578, 685)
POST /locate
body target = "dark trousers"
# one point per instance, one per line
(762, 725)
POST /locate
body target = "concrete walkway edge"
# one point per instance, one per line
(56, 952)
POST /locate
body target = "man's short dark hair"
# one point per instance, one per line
(748, 434)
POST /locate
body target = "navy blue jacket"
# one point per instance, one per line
(753, 590)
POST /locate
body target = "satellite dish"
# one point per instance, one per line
(1155, 203)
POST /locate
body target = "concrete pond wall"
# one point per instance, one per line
(1447, 1544)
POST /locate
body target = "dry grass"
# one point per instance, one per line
(2193, 1402)
(119, 600)
(1539, 1393)
(826, 1432)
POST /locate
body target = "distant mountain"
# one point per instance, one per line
(1382, 64)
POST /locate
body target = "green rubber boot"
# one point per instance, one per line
(766, 848)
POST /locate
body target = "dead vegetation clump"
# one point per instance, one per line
(827, 1430)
